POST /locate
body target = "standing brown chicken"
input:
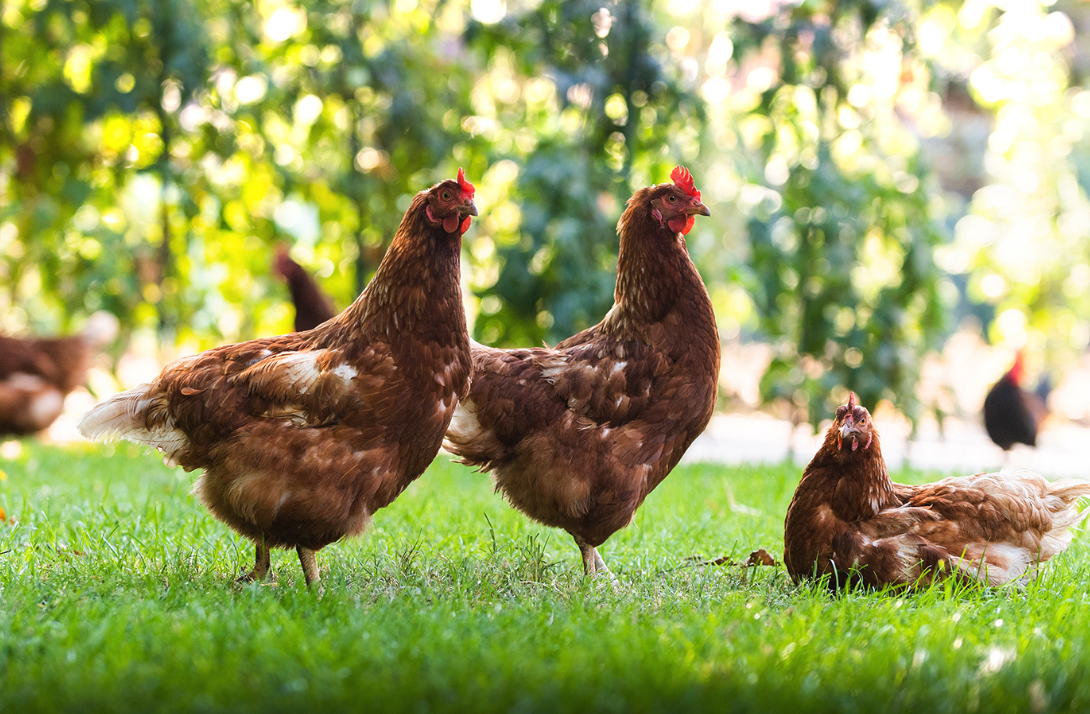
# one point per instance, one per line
(849, 522)
(577, 436)
(312, 307)
(36, 374)
(303, 437)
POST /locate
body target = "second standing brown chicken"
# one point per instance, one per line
(576, 437)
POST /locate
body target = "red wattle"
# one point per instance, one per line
(450, 223)
(682, 224)
(465, 224)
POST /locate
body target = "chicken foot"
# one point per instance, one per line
(309, 560)
(261, 566)
(593, 565)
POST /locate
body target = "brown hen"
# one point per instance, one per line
(849, 523)
(312, 307)
(577, 436)
(303, 437)
(37, 373)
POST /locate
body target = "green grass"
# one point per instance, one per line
(117, 594)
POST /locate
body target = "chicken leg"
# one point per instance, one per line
(309, 560)
(593, 565)
(261, 566)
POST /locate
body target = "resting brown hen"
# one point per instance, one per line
(577, 436)
(36, 374)
(849, 523)
(303, 437)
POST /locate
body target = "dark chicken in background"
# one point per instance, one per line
(303, 437)
(1012, 415)
(312, 307)
(849, 522)
(577, 436)
(36, 374)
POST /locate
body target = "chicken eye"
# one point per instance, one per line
(671, 198)
(446, 195)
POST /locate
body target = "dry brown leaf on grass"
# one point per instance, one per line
(757, 557)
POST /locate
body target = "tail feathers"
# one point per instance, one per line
(119, 416)
(125, 416)
(1069, 489)
(468, 438)
(1062, 498)
(1044, 388)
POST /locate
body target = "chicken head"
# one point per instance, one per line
(853, 426)
(675, 205)
(451, 204)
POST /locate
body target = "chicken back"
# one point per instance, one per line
(577, 436)
(303, 437)
(849, 523)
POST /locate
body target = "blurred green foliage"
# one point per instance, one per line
(843, 275)
(153, 152)
(611, 104)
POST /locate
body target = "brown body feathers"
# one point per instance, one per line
(577, 436)
(849, 522)
(302, 437)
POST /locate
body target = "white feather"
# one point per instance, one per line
(122, 417)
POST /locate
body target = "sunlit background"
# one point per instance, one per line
(898, 189)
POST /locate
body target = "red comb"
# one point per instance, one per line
(851, 400)
(1017, 368)
(684, 180)
(467, 188)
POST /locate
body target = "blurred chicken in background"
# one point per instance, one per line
(1012, 415)
(36, 374)
(312, 307)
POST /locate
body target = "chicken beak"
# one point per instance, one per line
(468, 208)
(699, 209)
(847, 428)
